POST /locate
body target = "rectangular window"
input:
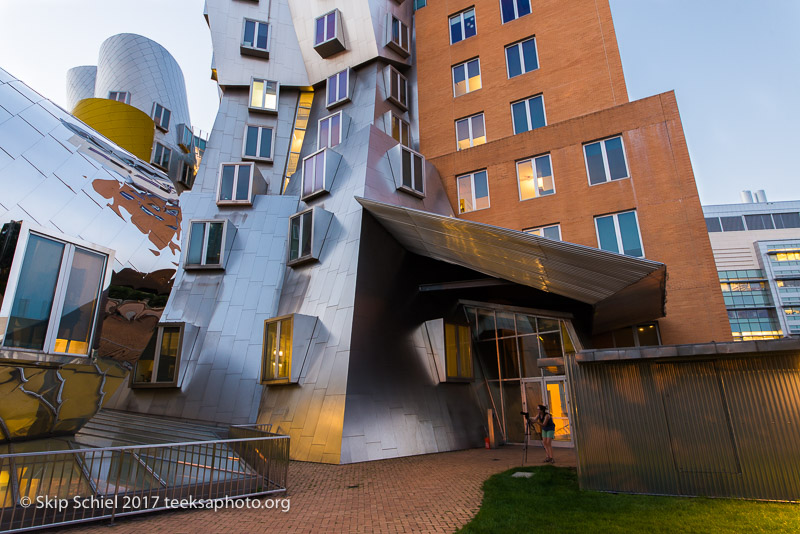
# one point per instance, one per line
(732, 224)
(120, 96)
(187, 174)
(277, 358)
(786, 220)
(467, 77)
(263, 95)
(535, 177)
(185, 138)
(521, 57)
(161, 156)
(792, 282)
(255, 38)
(398, 38)
(413, 171)
(759, 222)
(325, 28)
(398, 88)
(514, 9)
(300, 236)
(785, 256)
(206, 240)
(462, 26)
(329, 133)
(470, 131)
(528, 114)
(550, 232)
(458, 351)
(473, 192)
(401, 130)
(338, 89)
(235, 183)
(161, 116)
(55, 303)
(258, 143)
(605, 161)
(713, 225)
(619, 233)
(314, 173)
(158, 364)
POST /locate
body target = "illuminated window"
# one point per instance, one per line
(338, 88)
(605, 161)
(401, 130)
(619, 233)
(462, 26)
(329, 132)
(235, 184)
(470, 132)
(473, 192)
(255, 38)
(535, 177)
(398, 36)
(263, 95)
(258, 141)
(458, 351)
(793, 282)
(52, 305)
(528, 114)
(161, 156)
(206, 244)
(785, 256)
(514, 9)
(552, 231)
(298, 134)
(398, 88)
(120, 96)
(161, 116)
(277, 357)
(521, 57)
(467, 77)
(158, 364)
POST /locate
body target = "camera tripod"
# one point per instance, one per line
(528, 425)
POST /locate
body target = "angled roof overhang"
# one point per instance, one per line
(622, 290)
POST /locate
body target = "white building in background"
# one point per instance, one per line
(756, 247)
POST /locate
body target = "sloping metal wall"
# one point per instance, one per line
(722, 427)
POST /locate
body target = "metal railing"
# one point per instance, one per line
(40, 489)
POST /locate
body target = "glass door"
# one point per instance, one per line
(533, 398)
(558, 402)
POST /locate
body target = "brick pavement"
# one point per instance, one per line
(429, 493)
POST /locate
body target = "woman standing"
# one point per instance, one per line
(545, 420)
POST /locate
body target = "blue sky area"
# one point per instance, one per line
(733, 64)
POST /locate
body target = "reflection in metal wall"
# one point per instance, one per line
(720, 426)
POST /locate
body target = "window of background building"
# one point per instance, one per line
(528, 114)
(458, 351)
(300, 235)
(521, 57)
(158, 364)
(161, 116)
(277, 357)
(467, 77)
(161, 156)
(338, 88)
(325, 28)
(398, 88)
(314, 173)
(470, 132)
(263, 95)
(329, 132)
(401, 130)
(535, 177)
(550, 232)
(257, 143)
(605, 161)
(732, 224)
(713, 225)
(185, 138)
(473, 192)
(187, 174)
(120, 96)
(786, 220)
(514, 9)
(205, 244)
(235, 183)
(792, 282)
(398, 36)
(55, 297)
(619, 233)
(255, 38)
(413, 171)
(462, 26)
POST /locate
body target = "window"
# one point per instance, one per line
(467, 77)
(785, 256)
(328, 38)
(462, 26)
(235, 183)
(514, 9)
(187, 174)
(258, 142)
(161, 156)
(398, 88)
(200, 145)
(786, 220)
(792, 282)
(418, 4)
(277, 357)
(255, 38)
(314, 174)
(605, 161)
(535, 177)
(158, 364)
(185, 137)
(473, 192)
(458, 351)
(759, 222)
(528, 114)
(470, 132)
(263, 95)
(642, 335)
(413, 171)
(550, 232)
(620, 233)
(521, 57)
(401, 130)
(206, 239)
(55, 298)
(713, 225)
(329, 133)
(298, 135)
(732, 224)
(300, 236)
(398, 37)
(338, 89)
(120, 96)
(161, 116)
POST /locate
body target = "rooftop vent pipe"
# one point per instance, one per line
(747, 197)
(761, 196)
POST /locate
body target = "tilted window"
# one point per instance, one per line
(301, 227)
(185, 138)
(161, 116)
(255, 38)
(413, 171)
(277, 358)
(120, 96)
(209, 244)
(619, 232)
(329, 133)
(458, 351)
(314, 171)
(258, 142)
(398, 88)
(235, 184)
(605, 161)
(187, 175)
(398, 38)
(161, 156)
(328, 34)
(473, 191)
(159, 363)
(338, 88)
(401, 130)
(535, 177)
(263, 95)
(470, 132)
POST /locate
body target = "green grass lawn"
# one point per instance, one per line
(550, 501)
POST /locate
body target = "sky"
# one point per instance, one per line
(733, 64)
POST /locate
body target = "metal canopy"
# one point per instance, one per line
(623, 290)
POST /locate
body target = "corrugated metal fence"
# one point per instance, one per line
(698, 425)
